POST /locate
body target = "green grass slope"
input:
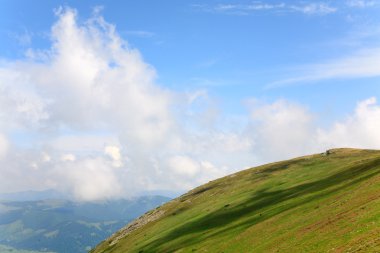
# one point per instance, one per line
(309, 204)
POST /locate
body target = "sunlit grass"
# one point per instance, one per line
(310, 204)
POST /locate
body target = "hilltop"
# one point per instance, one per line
(317, 203)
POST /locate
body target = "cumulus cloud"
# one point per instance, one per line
(91, 99)
(281, 129)
(89, 179)
(188, 172)
(80, 97)
(114, 153)
(359, 130)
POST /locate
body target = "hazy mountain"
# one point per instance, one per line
(32, 195)
(321, 203)
(66, 226)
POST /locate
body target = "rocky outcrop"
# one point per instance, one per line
(136, 224)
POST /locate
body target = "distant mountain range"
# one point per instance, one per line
(33, 195)
(36, 222)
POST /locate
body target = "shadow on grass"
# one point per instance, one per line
(224, 217)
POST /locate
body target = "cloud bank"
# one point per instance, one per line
(87, 117)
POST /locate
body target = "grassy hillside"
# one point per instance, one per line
(315, 203)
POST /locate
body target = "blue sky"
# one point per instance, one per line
(233, 54)
(227, 71)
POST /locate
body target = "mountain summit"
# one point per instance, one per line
(327, 202)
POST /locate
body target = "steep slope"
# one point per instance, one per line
(317, 203)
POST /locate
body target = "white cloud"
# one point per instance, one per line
(184, 166)
(364, 63)
(87, 98)
(140, 33)
(45, 157)
(82, 142)
(248, 7)
(281, 129)
(188, 173)
(314, 8)
(114, 153)
(101, 75)
(89, 179)
(68, 158)
(21, 105)
(359, 130)
(319, 8)
(362, 3)
(3, 146)
(24, 38)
